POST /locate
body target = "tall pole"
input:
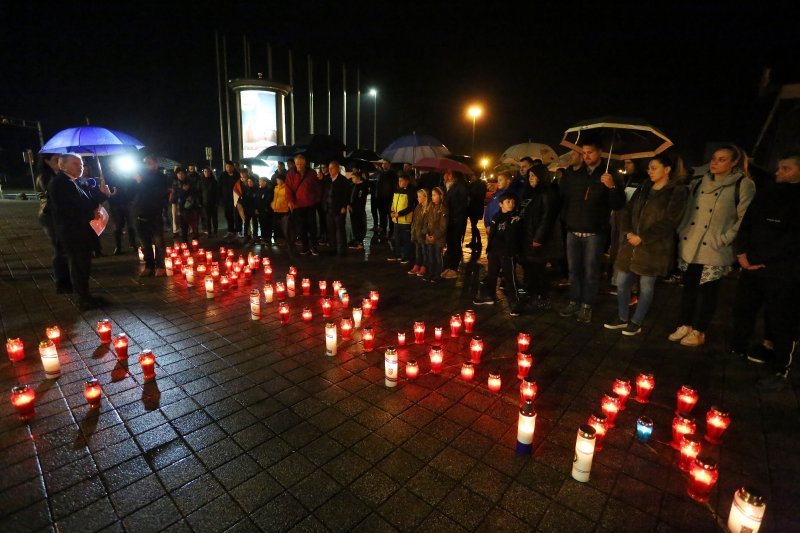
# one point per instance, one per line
(227, 94)
(291, 94)
(474, 118)
(329, 95)
(375, 121)
(344, 104)
(269, 61)
(358, 107)
(244, 51)
(310, 95)
(219, 99)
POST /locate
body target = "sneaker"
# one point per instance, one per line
(359, 246)
(414, 271)
(515, 310)
(634, 301)
(774, 383)
(680, 333)
(117, 251)
(353, 246)
(314, 252)
(160, 273)
(571, 309)
(585, 314)
(421, 271)
(612, 290)
(617, 323)
(392, 259)
(632, 329)
(304, 252)
(760, 354)
(694, 338)
(483, 300)
(449, 274)
(404, 261)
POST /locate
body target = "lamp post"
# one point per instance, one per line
(374, 94)
(474, 112)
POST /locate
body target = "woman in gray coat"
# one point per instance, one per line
(648, 225)
(717, 203)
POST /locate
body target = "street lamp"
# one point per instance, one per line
(374, 93)
(474, 112)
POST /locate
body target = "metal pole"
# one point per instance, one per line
(244, 46)
(310, 95)
(227, 93)
(291, 94)
(219, 99)
(375, 124)
(358, 107)
(344, 104)
(41, 138)
(269, 62)
(474, 118)
(329, 95)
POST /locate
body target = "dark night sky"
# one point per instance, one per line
(690, 68)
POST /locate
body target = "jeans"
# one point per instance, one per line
(434, 261)
(583, 257)
(402, 241)
(151, 233)
(647, 289)
(210, 219)
(698, 302)
(498, 261)
(121, 216)
(420, 255)
(336, 226)
(60, 261)
(304, 220)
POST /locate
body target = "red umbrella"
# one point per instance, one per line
(441, 164)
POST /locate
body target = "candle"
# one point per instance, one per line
(644, 428)
(401, 338)
(290, 286)
(168, 265)
(307, 316)
(104, 330)
(233, 280)
(229, 253)
(54, 334)
(222, 251)
(209, 283)
(523, 342)
(16, 352)
(177, 265)
(528, 390)
(645, 383)
(267, 272)
(327, 305)
(469, 320)
(690, 448)
(183, 246)
(623, 389)
(224, 283)
(190, 261)
(215, 270)
(266, 262)
(347, 327)
(367, 339)
(610, 407)
(280, 290)
(747, 511)
(467, 371)
(248, 274)
(330, 339)
(283, 312)
(188, 272)
(437, 333)
(121, 346)
(141, 255)
(526, 425)
(305, 284)
(687, 398)
(702, 478)
(524, 363)
(240, 261)
(436, 359)
(50, 361)
(412, 369)
(717, 421)
(209, 257)
(92, 392)
(357, 314)
(373, 298)
(269, 293)
(494, 382)
(147, 360)
(336, 285)
(255, 304)
(682, 424)
(599, 422)
(345, 297)
(23, 399)
(419, 332)
(475, 350)
(584, 453)
(323, 287)
(455, 325)
(366, 305)
(390, 364)
(195, 244)
(293, 271)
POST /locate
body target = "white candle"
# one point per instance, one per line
(584, 453)
(390, 361)
(330, 339)
(209, 282)
(747, 511)
(168, 265)
(526, 425)
(357, 314)
(255, 304)
(269, 292)
(189, 272)
(50, 362)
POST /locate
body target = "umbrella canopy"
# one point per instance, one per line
(365, 154)
(166, 162)
(441, 164)
(321, 148)
(563, 161)
(91, 141)
(277, 153)
(412, 148)
(532, 150)
(619, 138)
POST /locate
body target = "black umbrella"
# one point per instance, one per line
(321, 148)
(277, 153)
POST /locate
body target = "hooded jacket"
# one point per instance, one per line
(539, 211)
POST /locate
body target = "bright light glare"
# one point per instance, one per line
(474, 111)
(373, 92)
(484, 162)
(125, 164)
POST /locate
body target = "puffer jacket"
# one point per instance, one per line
(436, 223)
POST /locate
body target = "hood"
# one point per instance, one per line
(726, 181)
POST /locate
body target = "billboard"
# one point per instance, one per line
(259, 121)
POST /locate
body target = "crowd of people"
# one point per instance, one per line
(655, 227)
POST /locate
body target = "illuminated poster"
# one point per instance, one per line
(259, 121)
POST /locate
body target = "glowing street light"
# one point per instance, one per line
(474, 112)
(374, 94)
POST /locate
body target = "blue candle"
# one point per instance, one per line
(644, 427)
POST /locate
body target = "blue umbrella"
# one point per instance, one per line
(90, 141)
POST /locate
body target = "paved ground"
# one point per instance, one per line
(249, 426)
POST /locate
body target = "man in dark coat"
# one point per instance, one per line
(73, 208)
(147, 206)
(477, 203)
(335, 198)
(385, 185)
(456, 201)
(227, 180)
(209, 196)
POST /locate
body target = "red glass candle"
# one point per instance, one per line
(92, 392)
(494, 382)
(323, 287)
(241, 261)
(717, 421)
(23, 399)
(436, 359)
(327, 305)
(455, 325)
(366, 306)
(16, 352)
(523, 342)
(469, 320)
(267, 272)
(412, 369)
(690, 448)
(374, 297)
(195, 244)
(265, 262)
(645, 383)
(419, 332)
(54, 334)
(527, 390)
(687, 398)
(121, 346)
(209, 257)
(293, 271)
(283, 312)
(104, 330)
(367, 338)
(335, 286)
(201, 271)
(437, 333)
(475, 350)
(233, 280)
(305, 284)
(345, 299)
(178, 266)
(147, 360)
(599, 422)
(467, 371)
(524, 363)
(222, 251)
(401, 338)
(280, 290)
(610, 407)
(623, 389)
(307, 316)
(248, 273)
(346, 328)
(184, 246)
(702, 478)
(230, 254)
(682, 424)
(224, 283)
